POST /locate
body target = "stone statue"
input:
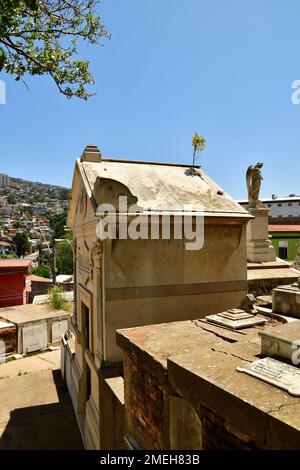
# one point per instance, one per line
(254, 179)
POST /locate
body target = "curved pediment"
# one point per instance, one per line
(109, 191)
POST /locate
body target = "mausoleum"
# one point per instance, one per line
(124, 282)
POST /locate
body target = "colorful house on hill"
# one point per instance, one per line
(13, 287)
(285, 239)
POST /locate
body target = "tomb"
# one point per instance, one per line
(286, 300)
(281, 341)
(37, 326)
(128, 282)
(280, 348)
(184, 389)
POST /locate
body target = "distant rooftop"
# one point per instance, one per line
(21, 314)
(14, 263)
(34, 278)
(284, 228)
(290, 198)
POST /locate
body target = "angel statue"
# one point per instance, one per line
(254, 179)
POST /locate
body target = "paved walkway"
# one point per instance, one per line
(35, 408)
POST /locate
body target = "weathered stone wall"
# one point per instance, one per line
(185, 425)
(158, 419)
(163, 282)
(217, 435)
(112, 411)
(183, 391)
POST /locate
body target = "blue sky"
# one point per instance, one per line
(222, 68)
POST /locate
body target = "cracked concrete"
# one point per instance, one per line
(280, 407)
(231, 354)
(201, 362)
(215, 333)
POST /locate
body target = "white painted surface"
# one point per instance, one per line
(58, 328)
(34, 337)
(281, 207)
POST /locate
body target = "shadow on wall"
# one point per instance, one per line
(44, 427)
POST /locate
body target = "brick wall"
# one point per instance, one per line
(147, 404)
(196, 399)
(147, 398)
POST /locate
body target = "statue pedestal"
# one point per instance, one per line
(259, 247)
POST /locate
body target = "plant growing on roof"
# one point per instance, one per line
(56, 298)
(199, 144)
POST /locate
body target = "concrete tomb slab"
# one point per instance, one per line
(58, 328)
(34, 337)
(276, 373)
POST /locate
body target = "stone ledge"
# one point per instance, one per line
(263, 413)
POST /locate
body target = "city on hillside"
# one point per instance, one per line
(32, 219)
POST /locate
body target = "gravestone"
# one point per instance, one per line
(282, 341)
(34, 337)
(58, 329)
(286, 300)
(276, 373)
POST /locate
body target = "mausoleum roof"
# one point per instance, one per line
(161, 184)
